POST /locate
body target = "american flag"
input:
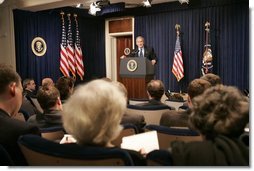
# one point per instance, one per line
(70, 49)
(177, 68)
(78, 53)
(64, 66)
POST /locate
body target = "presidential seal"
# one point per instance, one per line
(132, 65)
(39, 46)
(127, 51)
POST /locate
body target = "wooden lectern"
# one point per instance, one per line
(136, 72)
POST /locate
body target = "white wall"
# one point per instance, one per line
(7, 40)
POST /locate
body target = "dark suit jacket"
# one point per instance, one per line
(28, 93)
(137, 120)
(10, 130)
(153, 102)
(173, 118)
(222, 151)
(149, 53)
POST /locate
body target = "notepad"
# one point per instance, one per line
(148, 141)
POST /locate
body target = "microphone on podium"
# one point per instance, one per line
(135, 51)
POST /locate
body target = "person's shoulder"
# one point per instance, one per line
(148, 47)
(20, 126)
(138, 117)
(143, 104)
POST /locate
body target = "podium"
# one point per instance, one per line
(135, 73)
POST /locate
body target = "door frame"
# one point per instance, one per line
(110, 47)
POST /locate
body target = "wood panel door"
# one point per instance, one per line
(122, 43)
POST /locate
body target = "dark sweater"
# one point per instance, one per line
(222, 151)
(10, 130)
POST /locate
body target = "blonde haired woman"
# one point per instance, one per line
(93, 115)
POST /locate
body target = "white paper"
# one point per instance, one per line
(68, 139)
(148, 141)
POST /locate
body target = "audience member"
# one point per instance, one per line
(29, 88)
(212, 78)
(137, 120)
(155, 90)
(47, 82)
(49, 99)
(65, 85)
(195, 88)
(92, 115)
(29, 93)
(220, 115)
(10, 102)
(180, 118)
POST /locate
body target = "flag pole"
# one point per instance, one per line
(177, 27)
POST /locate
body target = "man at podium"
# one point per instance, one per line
(142, 50)
(136, 72)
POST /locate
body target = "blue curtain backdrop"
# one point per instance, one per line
(229, 33)
(47, 24)
(29, 25)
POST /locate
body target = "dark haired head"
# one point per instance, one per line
(47, 96)
(7, 75)
(156, 89)
(220, 110)
(65, 86)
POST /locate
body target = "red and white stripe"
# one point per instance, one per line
(64, 65)
(79, 61)
(177, 69)
(71, 59)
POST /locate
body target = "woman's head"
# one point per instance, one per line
(220, 110)
(65, 86)
(93, 113)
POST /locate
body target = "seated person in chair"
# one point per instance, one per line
(29, 88)
(49, 99)
(10, 102)
(180, 118)
(212, 78)
(47, 82)
(92, 115)
(65, 85)
(155, 90)
(137, 120)
(220, 115)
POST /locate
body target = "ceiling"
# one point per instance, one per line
(38, 5)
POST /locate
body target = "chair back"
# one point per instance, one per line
(41, 152)
(175, 104)
(128, 129)
(5, 158)
(152, 114)
(135, 101)
(245, 139)
(166, 135)
(159, 158)
(52, 133)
